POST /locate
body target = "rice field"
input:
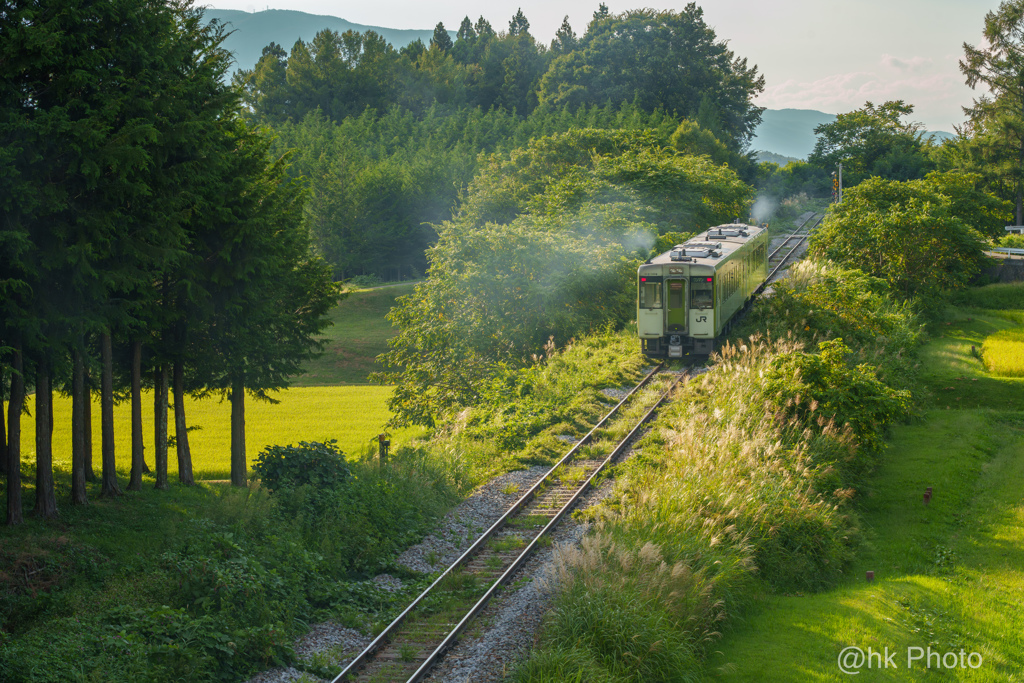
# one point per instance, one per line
(354, 415)
(1004, 353)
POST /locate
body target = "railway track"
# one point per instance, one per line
(778, 258)
(407, 649)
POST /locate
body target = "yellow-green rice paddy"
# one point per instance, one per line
(351, 414)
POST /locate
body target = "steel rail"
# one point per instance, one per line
(803, 237)
(439, 651)
(383, 637)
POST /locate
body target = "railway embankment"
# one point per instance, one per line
(744, 489)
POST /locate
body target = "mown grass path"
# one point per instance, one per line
(358, 334)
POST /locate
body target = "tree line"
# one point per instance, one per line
(388, 140)
(148, 237)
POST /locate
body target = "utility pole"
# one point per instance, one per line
(840, 183)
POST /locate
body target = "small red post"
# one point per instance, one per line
(870, 576)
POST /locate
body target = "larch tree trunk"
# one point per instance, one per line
(46, 500)
(90, 475)
(14, 516)
(78, 398)
(238, 466)
(160, 425)
(3, 427)
(138, 448)
(181, 426)
(110, 487)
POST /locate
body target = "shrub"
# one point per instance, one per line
(316, 464)
(817, 389)
(919, 235)
(1012, 241)
(821, 301)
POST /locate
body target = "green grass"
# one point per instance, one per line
(352, 415)
(948, 575)
(358, 334)
(954, 376)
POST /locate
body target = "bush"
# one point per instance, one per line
(920, 236)
(817, 389)
(821, 301)
(1012, 241)
(315, 464)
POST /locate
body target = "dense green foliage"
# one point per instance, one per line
(388, 139)
(319, 465)
(817, 387)
(209, 584)
(996, 141)
(659, 59)
(544, 247)
(872, 142)
(921, 236)
(379, 182)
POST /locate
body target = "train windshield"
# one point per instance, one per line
(650, 294)
(701, 292)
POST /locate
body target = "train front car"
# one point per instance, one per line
(690, 295)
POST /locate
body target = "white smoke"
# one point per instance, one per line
(763, 208)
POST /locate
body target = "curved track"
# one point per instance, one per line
(781, 254)
(419, 637)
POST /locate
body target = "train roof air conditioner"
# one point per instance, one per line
(695, 250)
(722, 233)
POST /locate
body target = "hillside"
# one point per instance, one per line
(253, 31)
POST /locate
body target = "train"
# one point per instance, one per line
(692, 294)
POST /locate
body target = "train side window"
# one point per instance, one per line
(650, 295)
(675, 294)
(701, 292)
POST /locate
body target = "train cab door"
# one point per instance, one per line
(650, 319)
(675, 308)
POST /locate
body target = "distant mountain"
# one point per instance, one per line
(254, 31)
(790, 133)
(774, 158)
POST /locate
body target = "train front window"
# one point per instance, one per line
(650, 295)
(701, 292)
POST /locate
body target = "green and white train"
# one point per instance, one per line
(689, 296)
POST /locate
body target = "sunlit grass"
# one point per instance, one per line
(353, 415)
(1004, 353)
(359, 333)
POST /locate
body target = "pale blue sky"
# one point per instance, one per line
(815, 54)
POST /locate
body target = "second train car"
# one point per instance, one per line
(690, 295)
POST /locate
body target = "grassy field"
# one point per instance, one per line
(359, 334)
(948, 575)
(352, 415)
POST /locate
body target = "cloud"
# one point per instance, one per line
(912, 64)
(916, 81)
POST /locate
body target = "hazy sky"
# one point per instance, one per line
(823, 54)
